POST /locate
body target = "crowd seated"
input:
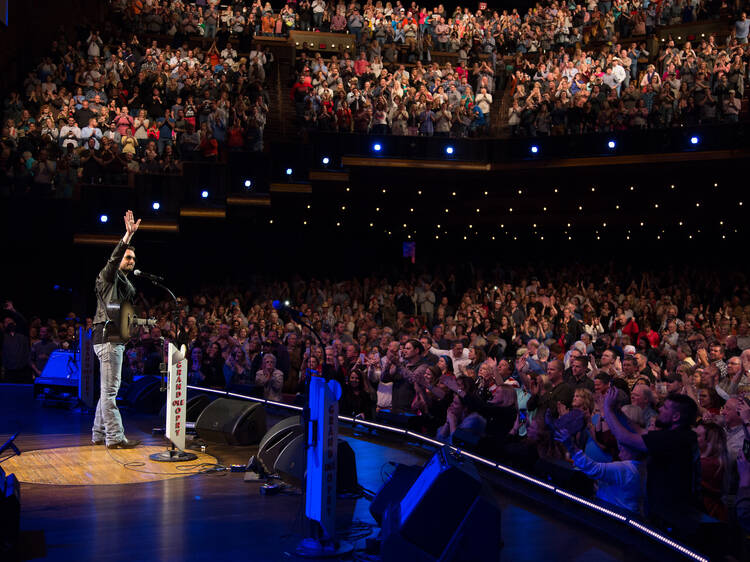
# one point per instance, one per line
(620, 379)
(98, 109)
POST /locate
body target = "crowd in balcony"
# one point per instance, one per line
(159, 103)
(107, 105)
(364, 96)
(591, 368)
(554, 92)
(618, 88)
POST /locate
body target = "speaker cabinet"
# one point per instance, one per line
(145, 396)
(10, 512)
(394, 489)
(447, 514)
(282, 451)
(276, 439)
(195, 406)
(291, 462)
(234, 422)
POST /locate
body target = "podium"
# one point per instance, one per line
(177, 371)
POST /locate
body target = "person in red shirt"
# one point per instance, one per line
(209, 147)
(361, 66)
(630, 329)
(236, 135)
(650, 334)
(344, 118)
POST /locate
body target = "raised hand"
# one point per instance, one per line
(563, 437)
(655, 368)
(130, 225)
(744, 410)
(610, 399)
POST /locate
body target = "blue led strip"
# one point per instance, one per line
(666, 540)
(663, 539)
(591, 504)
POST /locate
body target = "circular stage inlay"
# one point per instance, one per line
(97, 465)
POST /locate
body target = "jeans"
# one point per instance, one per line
(162, 144)
(107, 420)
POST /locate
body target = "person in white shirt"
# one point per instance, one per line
(318, 9)
(618, 71)
(70, 134)
(458, 354)
(94, 45)
(484, 100)
(229, 53)
(619, 483)
(374, 372)
(91, 131)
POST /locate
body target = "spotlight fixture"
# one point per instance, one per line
(377, 147)
(204, 194)
(449, 150)
(248, 184)
(103, 218)
(289, 171)
(534, 149)
(611, 144)
(326, 160)
(694, 140)
(155, 206)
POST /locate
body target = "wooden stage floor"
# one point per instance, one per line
(215, 516)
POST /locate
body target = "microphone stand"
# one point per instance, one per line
(175, 313)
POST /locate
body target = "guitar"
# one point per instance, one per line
(122, 320)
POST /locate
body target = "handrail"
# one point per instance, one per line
(634, 523)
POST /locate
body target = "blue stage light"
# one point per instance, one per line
(534, 149)
(326, 160)
(248, 183)
(612, 144)
(377, 147)
(694, 140)
(204, 194)
(289, 171)
(449, 150)
(104, 218)
(156, 206)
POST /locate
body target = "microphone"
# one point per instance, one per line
(149, 276)
(285, 310)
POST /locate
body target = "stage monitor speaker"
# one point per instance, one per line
(394, 489)
(195, 405)
(290, 464)
(276, 439)
(61, 365)
(346, 469)
(235, 422)
(145, 394)
(447, 515)
(10, 512)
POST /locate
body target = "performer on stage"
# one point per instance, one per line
(112, 287)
